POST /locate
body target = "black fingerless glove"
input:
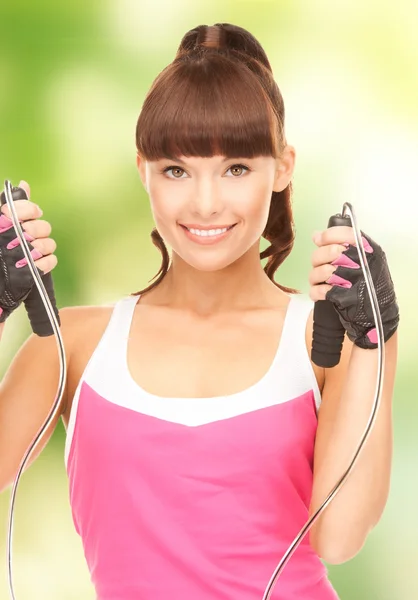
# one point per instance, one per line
(353, 304)
(15, 283)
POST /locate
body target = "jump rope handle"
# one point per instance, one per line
(34, 305)
(328, 331)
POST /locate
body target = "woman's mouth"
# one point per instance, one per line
(207, 236)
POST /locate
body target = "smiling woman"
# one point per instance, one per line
(218, 203)
(218, 98)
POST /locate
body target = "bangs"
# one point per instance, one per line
(206, 107)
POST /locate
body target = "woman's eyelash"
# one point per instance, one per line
(170, 167)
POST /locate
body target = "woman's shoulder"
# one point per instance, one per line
(76, 314)
(85, 324)
(78, 323)
(90, 319)
(85, 319)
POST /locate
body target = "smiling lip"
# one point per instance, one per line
(206, 227)
(208, 240)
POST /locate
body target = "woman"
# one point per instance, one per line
(200, 435)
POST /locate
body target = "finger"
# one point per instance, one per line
(16, 242)
(45, 246)
(25, 210)
(342, 235)
(336, 235)
(37, 228)
(321, 274)
(47, 263)
(318, 292)
(326, 254)
(23, 262)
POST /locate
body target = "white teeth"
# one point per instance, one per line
(205, 232)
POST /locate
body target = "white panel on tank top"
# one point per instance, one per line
(289, 376)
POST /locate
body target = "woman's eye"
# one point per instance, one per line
(233, 168)
(173, 169)
(239, 167)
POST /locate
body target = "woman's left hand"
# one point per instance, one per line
(337, 276)
(332, 243)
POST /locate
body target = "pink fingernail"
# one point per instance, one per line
(13, 244)
(372, 335)
(1, 310)
(344, 261)
(16, 241)
(35, 255)
(5, 223)
(339, 281)
(366, 245)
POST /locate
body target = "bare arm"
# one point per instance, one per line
(348, 395)
(27, 393)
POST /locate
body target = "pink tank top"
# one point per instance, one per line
(195, 498)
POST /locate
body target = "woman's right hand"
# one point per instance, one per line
(16, 280)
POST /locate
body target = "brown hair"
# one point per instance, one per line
(219, 96)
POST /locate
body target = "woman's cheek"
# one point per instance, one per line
(255, 207)
(165, 215)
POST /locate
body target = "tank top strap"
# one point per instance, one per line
(293, 336)
(117, 333)
(110, 352)
(295, 358)
(121, 319)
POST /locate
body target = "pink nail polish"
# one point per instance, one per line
(366, 245)
(339, 281)
(344, 261)
(21, 263)
(372, 335)
(36, 254)
(5, 223)
(14, 243)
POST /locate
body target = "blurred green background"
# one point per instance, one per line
(73, 79)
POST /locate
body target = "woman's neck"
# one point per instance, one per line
(240, 286)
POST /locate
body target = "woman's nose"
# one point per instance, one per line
(207, 199)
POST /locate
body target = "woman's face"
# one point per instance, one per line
(208, 194)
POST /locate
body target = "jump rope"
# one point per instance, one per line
(328, 337)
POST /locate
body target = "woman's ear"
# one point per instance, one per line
(141, 168)
(285, 165)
